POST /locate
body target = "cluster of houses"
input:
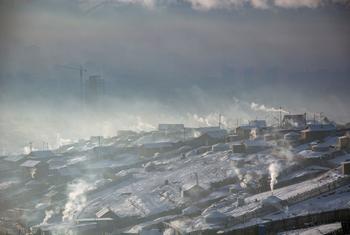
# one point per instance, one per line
(176, 139)
(253, 137)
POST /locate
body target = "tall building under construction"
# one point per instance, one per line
(95, 89)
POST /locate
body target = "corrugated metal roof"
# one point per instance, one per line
(320, 127)
(102, 212)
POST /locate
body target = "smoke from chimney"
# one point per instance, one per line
(274, 169)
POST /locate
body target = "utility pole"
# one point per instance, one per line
(280, 120)
(184, 134)
(99, 146)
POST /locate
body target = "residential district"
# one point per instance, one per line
(290, 178)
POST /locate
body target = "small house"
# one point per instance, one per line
(343, 142)
(291, 137)
(273, 202)
(257, 123)
(345, 167)
(216, 217)
(254, 146)
(294, 121)
(322, 147)
(106, 213)
(41, 154)
(244, 131)
(232, 138)
(149, 149)
(34, 169)
(14, 161)
(193, 192)
(238, 148)
(317, 132)
(210, 137)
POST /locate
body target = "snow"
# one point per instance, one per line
(147, 188)
(309, 154)
(8, 184)
(215, 217)
(149, 195)
(340, 159)
(256, 142)
(220, 147)
(253, 203)
(157, 145)
(337, 199)
(318, 230)
(30, 163)
(321, 127)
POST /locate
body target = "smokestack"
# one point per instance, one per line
(196, 176)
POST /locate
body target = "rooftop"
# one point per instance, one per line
(30, 163)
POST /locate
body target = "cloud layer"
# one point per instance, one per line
(217, 4)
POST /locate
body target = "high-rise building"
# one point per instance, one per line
(95, 88)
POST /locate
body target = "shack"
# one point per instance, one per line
(317, 132)
(33, 169)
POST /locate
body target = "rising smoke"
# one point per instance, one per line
(48, 215)
(76, 199)
(262, 107)
(274, 169)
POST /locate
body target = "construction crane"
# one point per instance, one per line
(81, 70)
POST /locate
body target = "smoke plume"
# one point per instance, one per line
(274, 169)
(76, 199)
(262, 107)
(48, 215)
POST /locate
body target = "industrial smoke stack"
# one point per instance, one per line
(196, 176)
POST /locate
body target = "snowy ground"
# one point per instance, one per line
(150, 186)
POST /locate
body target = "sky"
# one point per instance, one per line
(167, 61)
